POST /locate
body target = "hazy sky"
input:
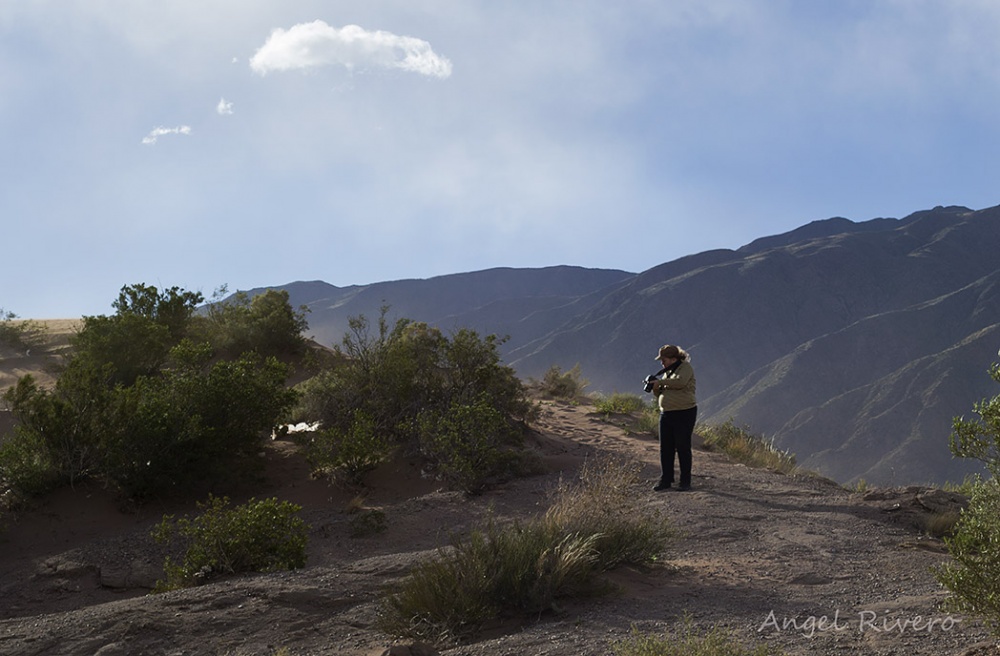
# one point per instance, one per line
(206, 142)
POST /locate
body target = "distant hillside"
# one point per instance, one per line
(852, 344)
(521, 303)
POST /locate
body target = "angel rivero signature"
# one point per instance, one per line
(866, 621)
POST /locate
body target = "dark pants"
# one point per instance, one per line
(676, 428)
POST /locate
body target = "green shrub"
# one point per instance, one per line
(619, 404)
(747, 448)
(258, 536)
(447, 398)
(470, 444)
(19, 333)
(63, 426)
(980, 438)
(352, 452)
(973, 575)
(25, 468)
(200, 424)
(265, 323)
(525, 568)
(558, 384)
(687, 642)
(142, 407)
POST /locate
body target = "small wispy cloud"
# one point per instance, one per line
(151, 138)
(309, 45)
(224, 108)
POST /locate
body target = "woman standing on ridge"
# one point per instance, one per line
(675, 391)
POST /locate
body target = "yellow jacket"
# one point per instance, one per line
(676, 390)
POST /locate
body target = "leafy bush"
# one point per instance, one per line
(265, 323)
(411, 382)
(199, 423)
(135, 341)
(687, 642)
(142, 407)
(743, 446)
(63, 427)
(19, 333)
(524, 568)
(973, 575)
(25, 469)
(980, 438)
(349, 453)
(563, 385)
(258, 536)
(470, 443)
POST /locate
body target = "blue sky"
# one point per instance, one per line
(204, 142)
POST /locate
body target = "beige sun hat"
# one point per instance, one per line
(671, 351)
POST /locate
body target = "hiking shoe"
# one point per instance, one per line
(661, 486)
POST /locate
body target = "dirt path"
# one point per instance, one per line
(766, 555)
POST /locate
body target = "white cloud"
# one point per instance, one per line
(151, 138)
(224, 108)
(309, 45)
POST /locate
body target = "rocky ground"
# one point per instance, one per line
(793, 561)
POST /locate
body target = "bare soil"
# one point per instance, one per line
(794, 561)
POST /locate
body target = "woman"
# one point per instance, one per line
(675, 390)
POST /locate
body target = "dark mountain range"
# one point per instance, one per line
(851, 344)
(521, 303)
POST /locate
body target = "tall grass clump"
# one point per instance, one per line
(606, 501)
(687, 642)
(966, 487)
(509, 572)
(258, 536)
(747, 448)
(632, 412)
(619, 403)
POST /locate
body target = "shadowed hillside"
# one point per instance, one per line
(853, 344)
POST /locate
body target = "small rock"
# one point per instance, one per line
(810, 578)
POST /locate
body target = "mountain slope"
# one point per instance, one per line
(492, 301)
(830, 340)
(852, 344)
